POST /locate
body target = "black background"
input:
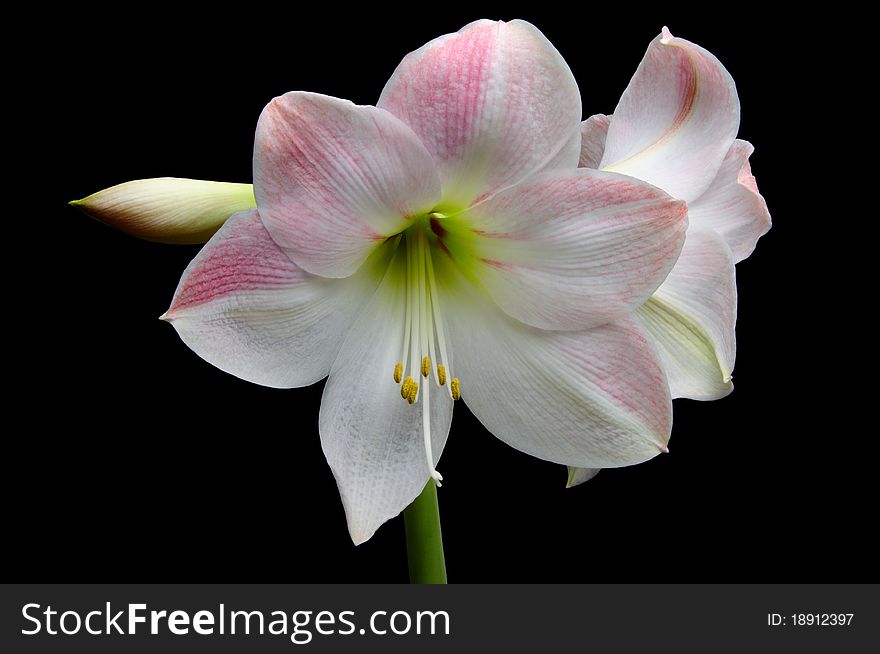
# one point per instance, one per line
(128, 458)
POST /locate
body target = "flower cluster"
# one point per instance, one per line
(470, 238)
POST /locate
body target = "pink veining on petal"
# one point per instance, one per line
(493, 103)
(247, 259)
(501, 265)
(332, 179)
(591, 398)
(594, 199)
(572, 250)
(457, 66)
(675, 121)
(244, 307)
(687, 85)
(609, 376)
(319, 158)
(471, 71)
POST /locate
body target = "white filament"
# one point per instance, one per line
(438, 321)
(423, 334)
(426, 429)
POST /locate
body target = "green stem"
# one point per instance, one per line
(424, 542)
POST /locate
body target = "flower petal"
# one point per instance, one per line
(594, 131)
(732, 205)
(692, 318)
(494, 103)
(570, 249)
(333, 179)
(591, 399)
(168, 209)
(577, 476)
(372, 438)
(676, 120)
(244, 307)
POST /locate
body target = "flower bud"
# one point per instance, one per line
(168, 209)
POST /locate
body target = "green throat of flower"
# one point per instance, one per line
(424, 355)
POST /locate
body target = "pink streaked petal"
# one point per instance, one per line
(494, 103)
(594, 131)
(676, 120)
(692, 318)
(590, 399)
(245, 307)
(332, 179)
(573, 249)
(732, 205)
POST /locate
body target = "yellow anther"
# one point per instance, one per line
(455, 387)
(398, 372)
(404, 390)
(441, 374)
(426, 366)
(413, 392)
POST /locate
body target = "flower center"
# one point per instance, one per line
(424, 354)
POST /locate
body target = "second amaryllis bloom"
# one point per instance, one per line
(675, 126)
(443, 244)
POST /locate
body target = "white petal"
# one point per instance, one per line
(570, 249)
(334, 179)
(591, 399)
(373, 438)
(676, 120)
(245, 307)
(493, 103)
(168, 209)
(692, 318)
(732, 205)
(594, 131)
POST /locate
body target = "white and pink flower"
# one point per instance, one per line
(443, 244)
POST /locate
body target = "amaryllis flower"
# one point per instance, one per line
(443, 245)
(675, 126)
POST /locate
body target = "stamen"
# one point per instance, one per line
(424, 341)
(438, 320)
(407, 329)
(404, 390)
(413, 310)
(426, 430)
(429, 304)
(424, 324)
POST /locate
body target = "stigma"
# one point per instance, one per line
(424, 360)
